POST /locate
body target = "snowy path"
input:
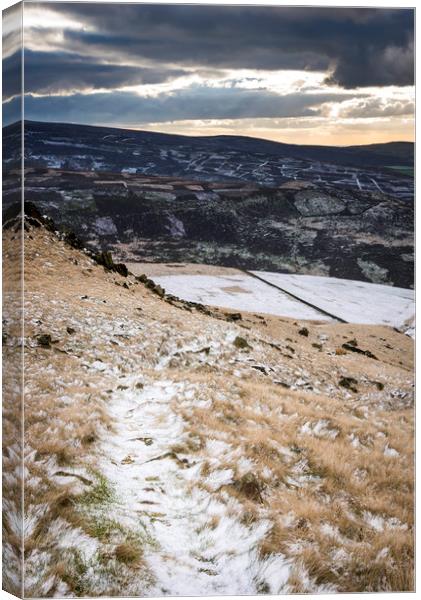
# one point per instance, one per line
(199, 546)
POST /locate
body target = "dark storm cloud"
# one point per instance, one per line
(12, 75)
(12, 111)
(48, 72)
(362, 47)
(195, 102)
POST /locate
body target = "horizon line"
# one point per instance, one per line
(228, 135)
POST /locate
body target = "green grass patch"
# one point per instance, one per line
(103, 528)
(101, 493)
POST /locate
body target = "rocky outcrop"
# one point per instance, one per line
(298, 229)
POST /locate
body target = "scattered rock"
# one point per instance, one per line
(71, 238)
(151, 285)
(206, 350)
(233, 316)
(44, 340)
(70, 330)
(303, 331)
(349, 383)
(106, 260)
(146, 440)
(241, 343)
(352, 348)
(121, 269)
(282, 384)
(260, 368)
(159, 291)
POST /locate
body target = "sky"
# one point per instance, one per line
(336, 76)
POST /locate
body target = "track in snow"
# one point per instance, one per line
(157, 494)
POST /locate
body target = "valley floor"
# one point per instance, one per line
(171, 450)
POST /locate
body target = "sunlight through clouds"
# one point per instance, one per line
(262, 71)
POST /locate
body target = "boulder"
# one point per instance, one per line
(241, 343)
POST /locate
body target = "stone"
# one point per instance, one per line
(349, 346)
(241, 343)
(121, 269)
(106, 260)
(234, 316)
(44, 340)
(142, 278)
(159, 291)
(349, 383)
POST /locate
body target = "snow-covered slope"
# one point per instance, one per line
(351, 301)
(171, 450)
(239, 292)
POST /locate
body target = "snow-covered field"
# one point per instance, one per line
(239, 292)
(352, 301)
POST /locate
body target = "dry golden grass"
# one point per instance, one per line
(323, 520)
(320, 493)
(12, 353)
(128, 553)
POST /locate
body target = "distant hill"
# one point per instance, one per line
(40, 136)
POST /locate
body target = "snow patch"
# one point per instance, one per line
(105, 226)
